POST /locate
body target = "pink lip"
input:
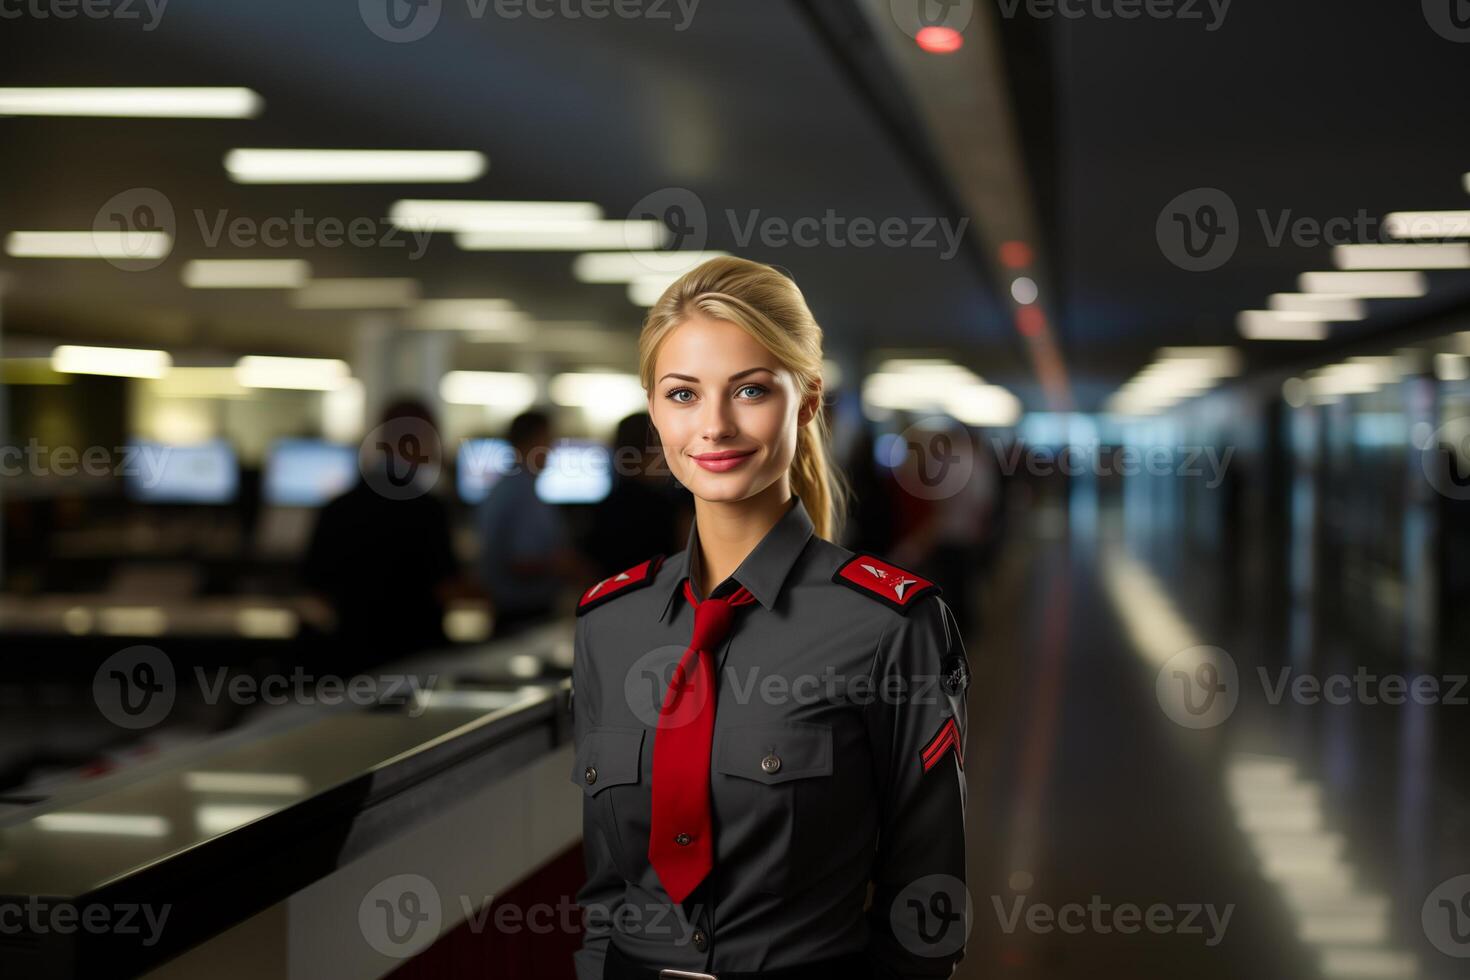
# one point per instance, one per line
(722, 461)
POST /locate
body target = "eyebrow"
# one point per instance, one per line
(741, 374)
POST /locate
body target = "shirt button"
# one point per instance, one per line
(771, 763)
(682, 839)
(700, 940)
(590, 774)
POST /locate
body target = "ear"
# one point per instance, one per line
(810, 405)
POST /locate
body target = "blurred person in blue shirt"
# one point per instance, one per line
(526, 558)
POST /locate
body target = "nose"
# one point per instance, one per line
(717, 421)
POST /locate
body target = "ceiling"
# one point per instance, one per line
(760, 113)
(744, 107)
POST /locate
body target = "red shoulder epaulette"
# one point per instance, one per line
(884, 581)
(615, 585)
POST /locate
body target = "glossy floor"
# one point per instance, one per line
(1175, 769)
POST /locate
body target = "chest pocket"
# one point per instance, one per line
(609, 768)
(782, 780)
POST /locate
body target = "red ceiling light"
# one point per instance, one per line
(939, 40)
(1015, 255)
(1030, 321)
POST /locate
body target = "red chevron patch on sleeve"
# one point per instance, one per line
(948, 737)
(615, 585)
(885, 581)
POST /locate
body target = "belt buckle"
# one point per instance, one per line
(685, 975)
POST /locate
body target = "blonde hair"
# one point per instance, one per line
(765, 303)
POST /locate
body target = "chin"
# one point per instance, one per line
(713, 487)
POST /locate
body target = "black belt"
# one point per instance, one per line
(853, 966)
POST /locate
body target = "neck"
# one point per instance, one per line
(730, 529)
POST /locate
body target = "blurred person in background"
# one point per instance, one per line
(871, 513)
(526, 558)
(646, 509)
(380, 554)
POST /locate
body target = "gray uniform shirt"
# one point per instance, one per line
(836, 761)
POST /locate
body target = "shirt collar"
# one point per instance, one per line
(764, 570)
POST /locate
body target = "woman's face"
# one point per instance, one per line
(725, 409)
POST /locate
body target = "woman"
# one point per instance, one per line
(753, 756)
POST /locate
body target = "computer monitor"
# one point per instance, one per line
(307, 472)
(577, 472)
(164, 473)
(480, 464)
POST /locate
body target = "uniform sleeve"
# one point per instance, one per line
(921, 914)
(603, 891)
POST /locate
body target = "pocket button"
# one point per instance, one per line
(771, 763)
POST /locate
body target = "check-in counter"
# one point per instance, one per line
(320, 841)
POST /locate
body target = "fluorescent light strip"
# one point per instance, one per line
(646, 290)
(1268, 325)
(298, 373)
(198, 382)
(263, 783)
(1365, 285)
(111, 824)
(356, 294)
(504, 389)
(88, 244)
(566, 236)
(467, 314)
(119, 362)
(424, 215)
(1428, 224)
(600, 267)
(1316, 306)
(176, 103)
(1452, 256)
(246, 273)
(262, 166)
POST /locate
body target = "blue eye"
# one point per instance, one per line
(673, 395)
(759, 389)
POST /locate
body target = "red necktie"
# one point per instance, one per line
(680, 844)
